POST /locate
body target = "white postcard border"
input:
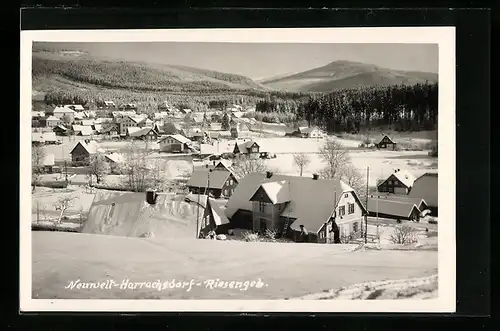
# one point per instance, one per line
(443, 36)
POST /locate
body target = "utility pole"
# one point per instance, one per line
(366, 214)
(66, 171)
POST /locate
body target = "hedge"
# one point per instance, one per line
(52, 184)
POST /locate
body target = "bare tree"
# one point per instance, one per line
(245, 165)
(350, 175)
(142, 172)
(335, 157)
(98, 166)
(62, 204)
(37, 159)
(301, 161)
(404, 234)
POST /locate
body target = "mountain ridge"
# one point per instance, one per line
(347, 74)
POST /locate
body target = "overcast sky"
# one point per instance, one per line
(260, 60)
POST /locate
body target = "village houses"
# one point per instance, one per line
(426, 187)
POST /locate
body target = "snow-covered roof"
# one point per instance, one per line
(180, 138)
(52, 118)
(391, 207)
(48, 160)
(63, 110)
(88, 122)
(91, 147)
(115, 157)
(140, 132)
(311, 201)
(200, 178)
(404, 176)
(278, 192)
(43, 136)
(132, 216)
(37, 114)
(85, 130)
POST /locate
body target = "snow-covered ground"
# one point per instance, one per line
(404, 289)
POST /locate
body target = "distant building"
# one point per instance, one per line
(61, 130)
(386, 142)
(83, 130)
(175, 143)
(216, 183)
(399, 182)
(48, 163)
(65, 114)
(42, 138)
(109, 104)
(82, 150)
(312, 132)
(114, 160)
(393, 209)
(249, 148)
(53, 121)
(142, 133)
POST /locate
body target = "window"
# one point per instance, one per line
(389, 182)
(351, 208)
(261, 206)
(355, 227)
(346, 195)
(396, 182)
(341, 210)
(226, 192)
(230, 182)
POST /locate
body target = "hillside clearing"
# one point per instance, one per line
(288, 270)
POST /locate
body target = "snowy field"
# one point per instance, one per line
(284, 270)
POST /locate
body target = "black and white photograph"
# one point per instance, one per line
(241, 169)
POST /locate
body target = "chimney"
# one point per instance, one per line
(151, 196)
(269, 174)
(315, 176)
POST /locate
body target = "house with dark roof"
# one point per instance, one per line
(214, 218)
(217, 183)
(326, 208)
(249, 148)
(426, 187)
(61, 130)
(386, 142)
(393, 209)
(82, 150)
(399, 182)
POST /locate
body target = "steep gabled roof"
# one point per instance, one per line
(278, 192)
(180, 138)
(312, 202)
(140, 132)
(91, 147)
(390, 207)
(199, 178)
(217, 212)
(404, 176)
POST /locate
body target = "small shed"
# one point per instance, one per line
(386, 142)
